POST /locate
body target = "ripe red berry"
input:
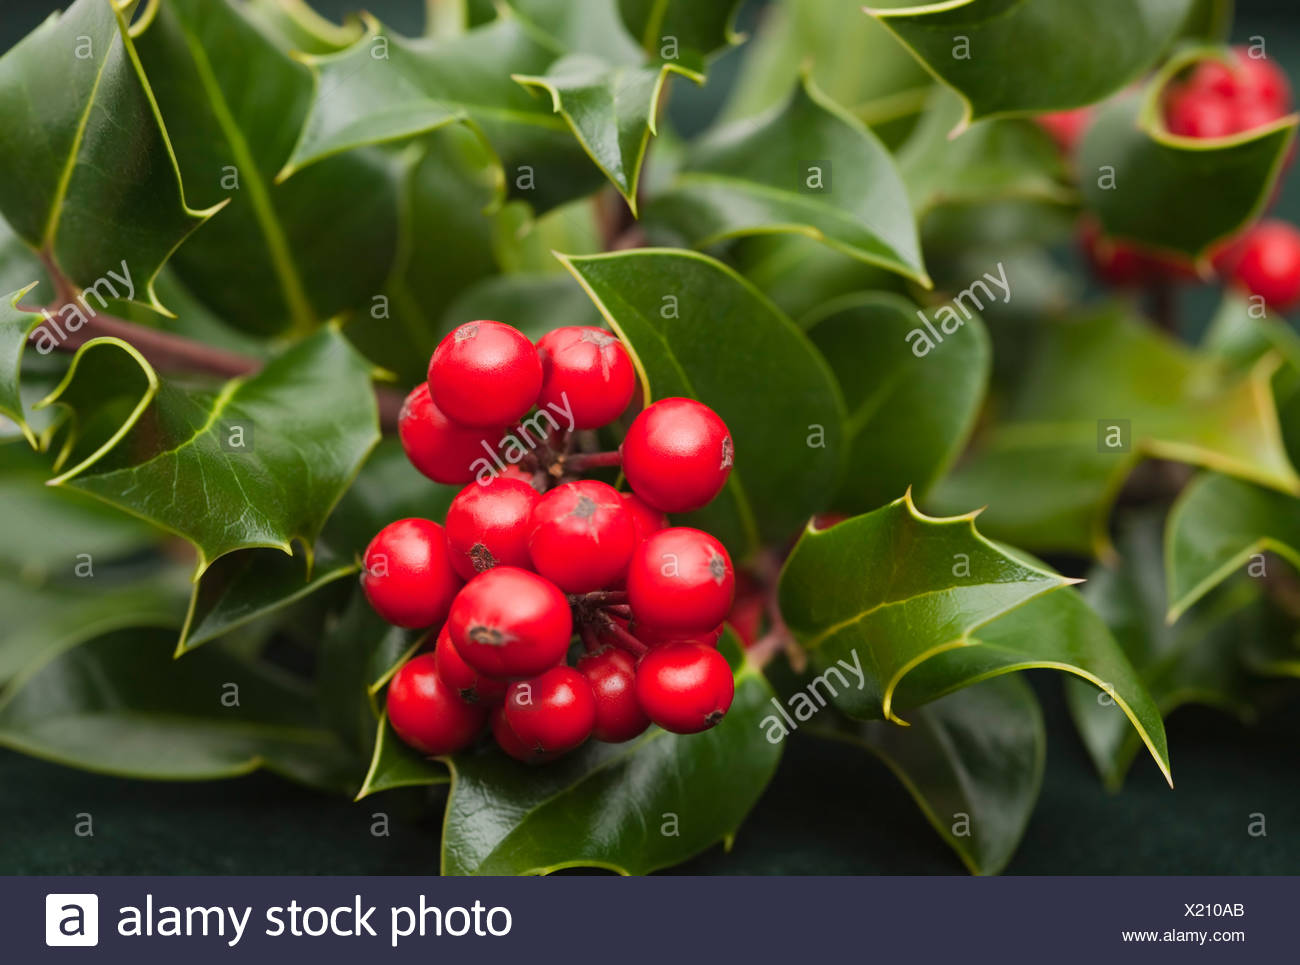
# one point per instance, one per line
(586, 371)
(509, 742)
(612, 675)
(646, 520)
(681, 579)
(470, 685)
(485, 373)
(684, 688)
(488, 525)
(443, 450)
(426, 713)
(1267, 264)
(677, 455)
(1066, 127)
(582, 536)
(1200, 113)
(552, 713)
(508, 622)
(408, 577)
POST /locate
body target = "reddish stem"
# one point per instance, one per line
(582, 461)
(621, 637)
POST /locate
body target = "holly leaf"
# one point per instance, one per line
(899, 608)
(972, 761)
(234, 103)
(259, 463)
(1139, 176)
(75, 103)
(296, 26)
(1006, 57)
(659, 799)
(15, 325)
(389, 88)
(673, 309)
(610, 109)
(120, 705)
(535, 304)
(1215, 527)
(1197, 661)
(1097, 395)
(805, 168)
(395, 764)
(908, 416)
(993, 160)
(688, 32)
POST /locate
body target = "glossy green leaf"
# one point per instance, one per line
(656, 800)
(993, 160)
(15, 325)
(388, 88)
(76, 104)
(676, 311)
(684, 31)
(1098, 394)
(121, 705)
(973, 762)
(804, 168)
(49, 530)
(360, 652)
(1215, 528)
(852, 58)
(1196, 661)
(1027, 56)
(296, 26)
(448, 203)
(1137, 176)
(611, 111)
(260, 463)
(246, 584)
(901, 609)
(881, 593)
(801, 275)
(394, 764)
(908, 416)
(234, 103)
(44, 621)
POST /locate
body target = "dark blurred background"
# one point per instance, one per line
(830, 810)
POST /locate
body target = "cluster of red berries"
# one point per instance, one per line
(532, 556)
(1215, 99)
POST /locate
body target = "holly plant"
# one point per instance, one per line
(446, 411)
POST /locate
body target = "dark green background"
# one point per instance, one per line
(831, 809)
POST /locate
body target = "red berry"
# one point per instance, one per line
(552, 713)
(684, 688)
(612, 675)
(514, 472)
(1268, 264)
(681, 579)
(509, 742)
(582, 536)
(1200, 113)
(585, 371)
(677, 455)
(746, 618)
(409, 578)
(485, 374)
(488, 525)
(1066, 127)
(470, 685)
(426, 713)
(646, 520)
(443, 450)
(1264, 82)
(508, 622)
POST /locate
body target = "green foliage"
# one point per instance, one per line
(250, 226)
